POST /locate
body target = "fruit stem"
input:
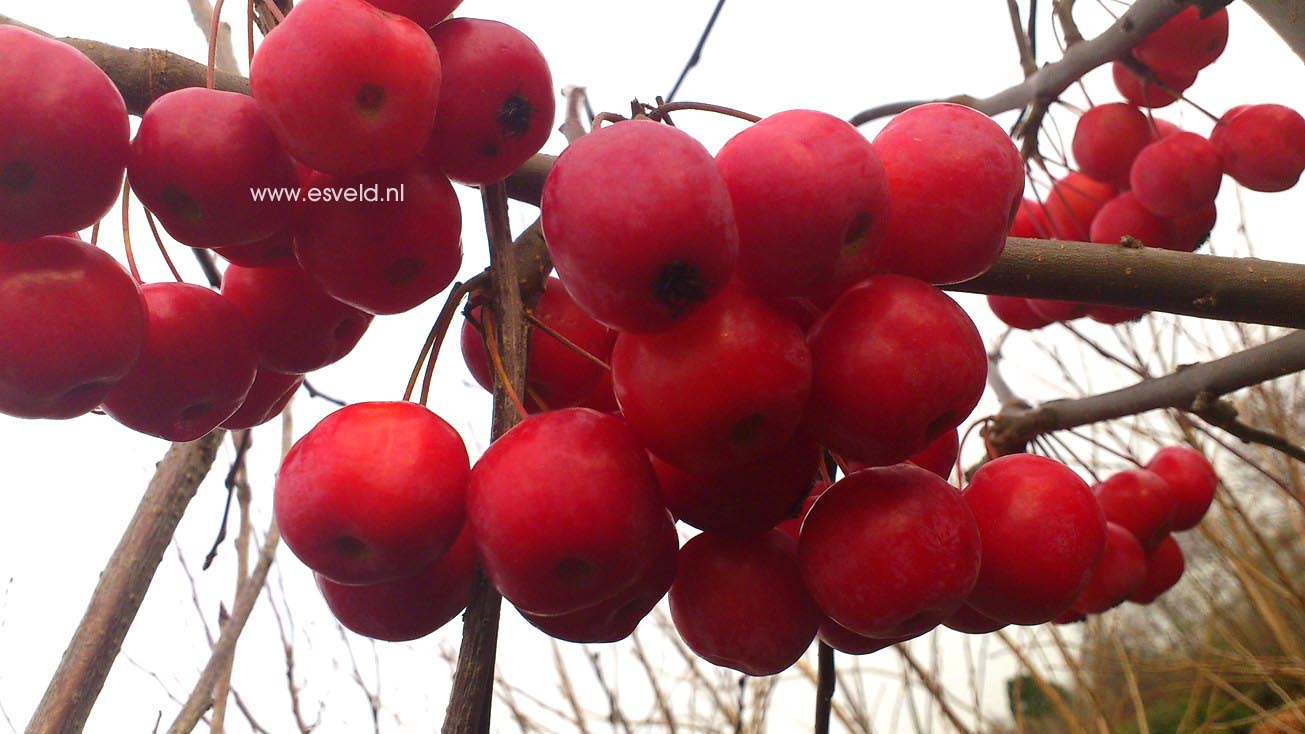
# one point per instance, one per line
(658, 113)
(149, 219)
(491, 345)
(126, 231)
(213, 24)
(435, 339)
(533, 319)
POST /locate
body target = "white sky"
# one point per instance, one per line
(71, 486)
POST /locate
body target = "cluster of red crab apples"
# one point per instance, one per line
(723, 332)
(1144, 180)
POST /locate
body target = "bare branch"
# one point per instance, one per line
(1286, 19)
(1022, 41)
(1048, 82)
(1222, 414)
(122, 586)
(202, 12)
(1179, 390)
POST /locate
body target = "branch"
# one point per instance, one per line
(1222, 414)
(201, 697)
(473, 681)
(98, 639)
(825, 683)
(1286, 19)
(1180, 390)
(1051, 80)
(1241, 289)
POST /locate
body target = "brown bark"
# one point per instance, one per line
(126, 577)
(1286, 18)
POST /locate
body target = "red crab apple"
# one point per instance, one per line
(1150, 94)
(880, 390)
(938, 457)
(970, 622)
(670, 389)
(1121, 571)
(1016, 313)
(385, 256)
(889, 552)
(298, 328)
(1107, 138)
(1141, 501)
(1177, 174)
(1124, 216)
(74, 324)
(748, 498)
(1186, 43)
(808, 191)
(373, 493)
(555, 372)
(956, 180)
(1073, 203)
(1022, 501)
(565, 511)
(1164, 567)
(65, 141)
(615, 619)
(367, 105)
(1262, 146)
(424, 13)
(1112, 315)
(195, 369)
(279, 249)
(630, 269)
(1192, 230)
(496, 100)
(197, 160)
(738, 601)
(1191, 481)
(1030, 221)
(266, 399)
(410, 607)
(848, 642)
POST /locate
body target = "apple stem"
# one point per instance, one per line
(126, 231)
(534, 320)
(496, 359)
(435, 339)
(214, 23)
(149, 219)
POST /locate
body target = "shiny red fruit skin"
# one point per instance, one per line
(1107, 138)
(670, 389)
(279, 249)
(1164, 568)
(615, 619)
(967, 620)
(1030, 221)
(197, 157)
(66, 137)
(639, 225)
(266, 399)
(558, 530)
(808, 192)
(889, 552)
(956, 180)
(1192, 230)
(1124, 216)
(1262, 146)
(1021, 502)
(750, 498)
(940, 455)
(1141, 501)
(896, 364)
(557, 374)
(1121, 571)
(738, 602)
(1113, 315)
(496, 101)
(793, 525)
(410, 607)
(1057, 311)
(1073, 203)
(1186, 43)
(848, 642)
(1016, 313)
(74, 325)
(424, 13)
(1177, 174)
(368, 105)
(373, 493)
(1131, 87)
(1192, 482)
(382, 257)
(195, 369)
(298, 328)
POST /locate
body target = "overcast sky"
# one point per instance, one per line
(71, 486)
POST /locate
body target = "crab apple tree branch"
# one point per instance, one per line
(1191, 389)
